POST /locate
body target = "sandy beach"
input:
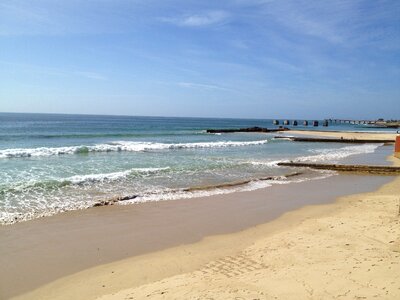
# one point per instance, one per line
(338, 237)
(348, 249)
(216, 150)
(345, 135)
(351, 252)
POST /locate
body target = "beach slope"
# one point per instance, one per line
(353, 252)
(346, 250)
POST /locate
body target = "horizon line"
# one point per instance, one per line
(191, 117)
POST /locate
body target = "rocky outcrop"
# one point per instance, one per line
(112, 201)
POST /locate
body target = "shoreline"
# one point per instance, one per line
(359, 135)
(331, 250)
(125, 198)
(68, 243)
(75, 251)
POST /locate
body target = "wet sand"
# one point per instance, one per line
(349, 252)
(73, 255)
(54, 247)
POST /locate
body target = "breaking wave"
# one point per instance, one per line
(82, 179)
(332, 155)
(118, 147)
(336, 154)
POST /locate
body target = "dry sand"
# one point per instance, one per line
(350, 253)
(346, 250)
(345, 135)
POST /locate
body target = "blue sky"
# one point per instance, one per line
(238, 58)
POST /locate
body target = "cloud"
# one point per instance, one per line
(202, 86)
(200, 20)
(92, 75)
(72, 17)
(338, 22)
(239, 44)
(50, 71)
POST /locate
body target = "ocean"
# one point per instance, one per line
(52, 163)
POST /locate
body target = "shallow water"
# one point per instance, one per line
(54, 163)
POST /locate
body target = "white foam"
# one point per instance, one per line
(334, 155)
(251, 186)
(119, 146)
(268, 163)
(286, 138)
(79, 179)
(59, 205)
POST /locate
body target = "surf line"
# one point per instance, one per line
(118, 199)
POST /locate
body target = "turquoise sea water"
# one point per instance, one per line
(53, 163)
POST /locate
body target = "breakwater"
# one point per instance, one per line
(249, 129)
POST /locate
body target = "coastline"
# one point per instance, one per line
(318, 251)
(345, 134)
(200, 150)
(105, 250)
(61, 245)
(339, 253)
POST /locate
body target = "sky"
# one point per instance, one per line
(238, 58)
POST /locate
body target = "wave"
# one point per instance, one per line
(159, 194)
(118, 147)
(95, 135)
(268, 163)
(336, 154)
(81, 180)
(332, 155)
(226, 188)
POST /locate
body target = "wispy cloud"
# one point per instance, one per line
(92, 75)
(259, 50)
(311, 18)
(203, 86)
(280, 64)
(339, 22)
(239, 44)
(59, 18)
(49, 71)
(199, 20)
